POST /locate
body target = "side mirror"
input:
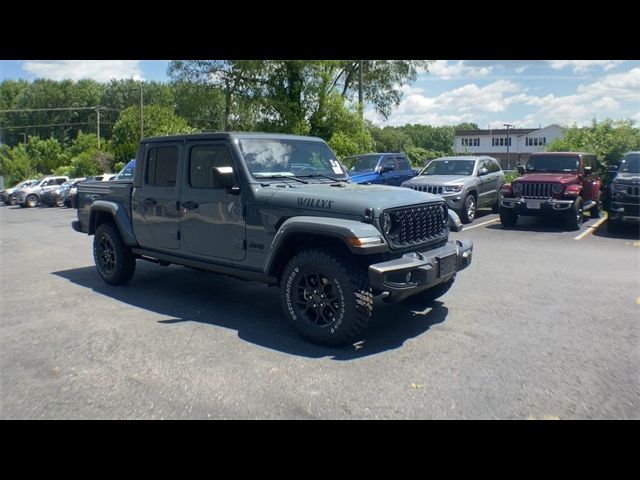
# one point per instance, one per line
(223, 177)
(483, 171)
(587, 170)
(612, 168)
(385, 169)
(520, 169)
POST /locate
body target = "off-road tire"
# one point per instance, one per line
(347, 284)
(466, 215)
(508, 218)
(575, 215)
(121, 264)
(495, 208)
(596, 210)
(59, 202)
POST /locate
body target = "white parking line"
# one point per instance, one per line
(591, 228)
(481, 224)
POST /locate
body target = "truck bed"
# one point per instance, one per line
(88, 192)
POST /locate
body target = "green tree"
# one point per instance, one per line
(15, 164)
(609, 140)
(157, 121)
(46, 154)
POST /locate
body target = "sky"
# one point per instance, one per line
(524, 93)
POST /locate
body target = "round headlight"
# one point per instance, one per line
(386, 223)
(557, 188)
(517, 187)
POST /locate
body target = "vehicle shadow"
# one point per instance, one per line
(253, 309)
(538, 224)
(626, 231)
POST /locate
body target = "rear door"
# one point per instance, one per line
(590, 182)
(212, 218)
(391, 177)
(404, 169)
(157, 199)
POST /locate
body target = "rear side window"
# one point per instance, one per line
(162, 167)
(402, 163)
(60, 181)
(203, 160)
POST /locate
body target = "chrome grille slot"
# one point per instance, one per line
(428, 189)
(537, 190)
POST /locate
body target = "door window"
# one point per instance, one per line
(162, 166)
(203, 160)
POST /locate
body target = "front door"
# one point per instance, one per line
(390, 177)
(212, 218)
(157, 200)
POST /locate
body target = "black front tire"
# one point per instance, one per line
(468, 211)
(508, 218)
(31, 201)
(326, 297)
(495, 208)
(114, 260)
(575, 215)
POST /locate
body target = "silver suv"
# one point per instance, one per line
(30, 196)
(465, 183)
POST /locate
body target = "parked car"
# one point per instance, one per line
(105, 177)
(554, 184)
(127, 172)
(7, 196)
(68, 193)
(379, 168)
(30, 196)
(624, 193)
(60, 196)
(466, 183)
(232, 204)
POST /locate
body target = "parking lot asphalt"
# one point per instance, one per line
(541, 326)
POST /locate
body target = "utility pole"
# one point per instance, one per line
(508, 125)
(360, 99)
(98, 125)
(141, 114)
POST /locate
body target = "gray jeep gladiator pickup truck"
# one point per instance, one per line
(275, 209)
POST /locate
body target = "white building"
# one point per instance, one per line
(521, 143)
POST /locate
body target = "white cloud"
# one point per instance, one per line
(583, 66)
(462, 104)
(447, 69)
(616, 96)
(99, 70)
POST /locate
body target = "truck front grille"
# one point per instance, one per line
(418, 224)
(633, 191)
(537, 190)
(428, 189)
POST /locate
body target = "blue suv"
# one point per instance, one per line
(380, 168)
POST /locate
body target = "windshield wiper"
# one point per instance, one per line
(323, 176)
(283, 177)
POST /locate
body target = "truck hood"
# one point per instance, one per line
(563, 178)
(346, 198)
(627, 178)
(437, 180)
(362, 177)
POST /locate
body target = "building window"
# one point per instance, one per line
(470, 142)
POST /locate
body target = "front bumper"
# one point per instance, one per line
(624, 211)
(536, 206)
(418, 271)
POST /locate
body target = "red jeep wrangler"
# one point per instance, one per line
(554, 183)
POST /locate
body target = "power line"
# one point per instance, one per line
(57, 109)
(53, 125)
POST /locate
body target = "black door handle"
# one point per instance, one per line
(150, 201)
(190, 205)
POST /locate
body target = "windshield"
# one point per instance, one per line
(127, 172)
(449, 167)
(362, 163)
(270, 157)
(553, 163)
(631, 163)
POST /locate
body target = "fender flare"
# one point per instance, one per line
(120, 218)
(340, 229)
